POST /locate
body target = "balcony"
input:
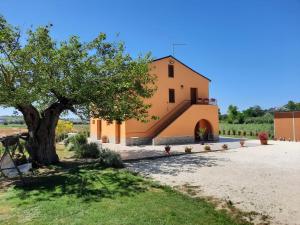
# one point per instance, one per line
(207, 101)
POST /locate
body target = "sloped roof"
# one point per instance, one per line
(170, 56)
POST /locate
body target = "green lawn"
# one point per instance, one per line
(90, 195)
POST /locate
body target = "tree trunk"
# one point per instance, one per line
(41, 142)
(41, 128)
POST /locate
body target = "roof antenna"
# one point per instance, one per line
(176, 44)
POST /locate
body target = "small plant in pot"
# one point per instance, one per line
(263, 137)
(201, 133)
(242, 142)
(207, 148)
(168, 149)
(188, 149)
(225, 147)
(104, 139)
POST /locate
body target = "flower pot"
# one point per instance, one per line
(242, 143)
(264, 142)
(188, 150)
(104, 139)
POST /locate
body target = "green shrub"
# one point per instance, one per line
(108, 158)
(90, 150)
(79, 139)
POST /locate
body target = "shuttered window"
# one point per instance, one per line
(171, 96)
(171, 70)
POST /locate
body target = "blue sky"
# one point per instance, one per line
(249, 49)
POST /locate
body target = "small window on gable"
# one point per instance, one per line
(171, 70)
(171, 96)
(93, 121)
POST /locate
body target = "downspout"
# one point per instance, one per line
(294, 130)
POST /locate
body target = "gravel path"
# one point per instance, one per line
(264, 179)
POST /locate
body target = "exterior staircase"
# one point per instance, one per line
(166, 120)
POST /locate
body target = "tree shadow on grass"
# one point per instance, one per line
(87, 183)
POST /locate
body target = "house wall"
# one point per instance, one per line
(136, 132)
(95, 129)
(285, 125)
(182, 130)
(184, 79)
(110, 130)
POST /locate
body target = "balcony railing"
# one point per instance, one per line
(207, 101)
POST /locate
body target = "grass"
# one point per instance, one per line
(91, 195)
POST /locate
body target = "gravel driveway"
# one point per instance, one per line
(264, 179)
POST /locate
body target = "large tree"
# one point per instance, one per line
(42, 79)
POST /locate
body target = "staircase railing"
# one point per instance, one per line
(164, 121)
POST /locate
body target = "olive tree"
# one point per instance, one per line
(43, 78)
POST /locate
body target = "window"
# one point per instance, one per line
(171, 70)
(171, 96)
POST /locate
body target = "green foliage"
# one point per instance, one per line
(95, 78)
(77, 139)
(201, 132)
(267, 118)
(249, 130)
(88, 150)
(291, 106)
(232, 114)
(108, 158)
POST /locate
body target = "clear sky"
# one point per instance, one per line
(249, 49)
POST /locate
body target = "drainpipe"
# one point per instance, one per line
(294, 130)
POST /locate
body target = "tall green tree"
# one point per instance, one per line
(42, 79)
(292, 106)
(232, 113)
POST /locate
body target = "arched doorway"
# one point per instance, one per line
(208, 131)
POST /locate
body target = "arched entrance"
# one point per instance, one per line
(208, 131)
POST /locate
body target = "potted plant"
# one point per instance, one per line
(225, 147)
(207, 148)
(104, 139)
(242, 142)
(201, 133)
(168, 149)
(188, 149)
(263, 137)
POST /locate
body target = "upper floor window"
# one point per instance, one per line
(171, 96)
(171, 70)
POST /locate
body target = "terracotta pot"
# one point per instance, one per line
(188, 150)
(104, 139)
(242, 143)
(264, 142)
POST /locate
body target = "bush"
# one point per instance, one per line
(108, 158)
(63, 128)
(78, 139)
(90, 150)
(207, 147)
(188, 149)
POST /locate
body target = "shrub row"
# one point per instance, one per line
(106, 158)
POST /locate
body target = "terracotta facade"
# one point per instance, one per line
(181, 102)
(287, 125)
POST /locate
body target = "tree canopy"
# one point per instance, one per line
(42, 78)
(77, 74)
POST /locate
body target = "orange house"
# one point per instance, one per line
(182, 104)
(287, 125)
